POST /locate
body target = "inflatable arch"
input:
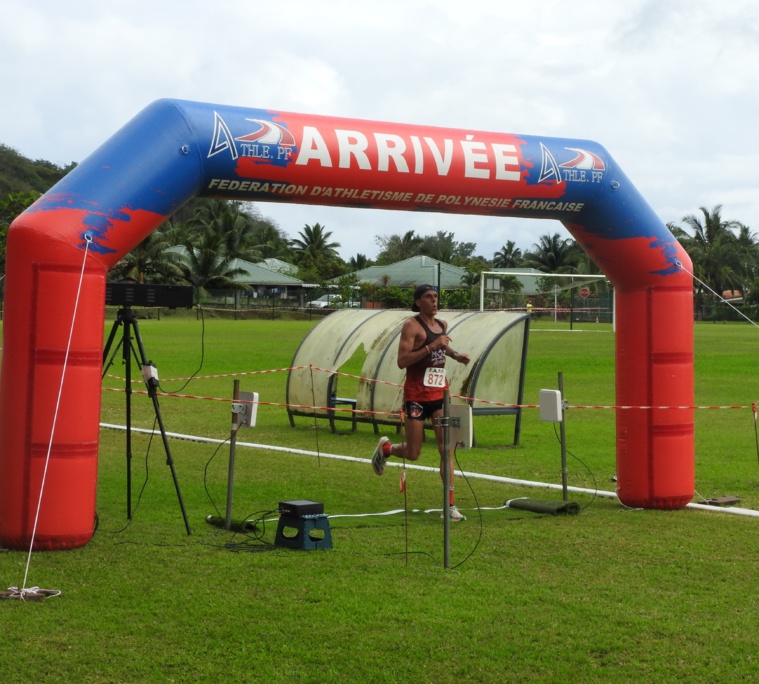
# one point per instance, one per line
(60, 249)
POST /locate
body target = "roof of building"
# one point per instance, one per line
(529, 282)
(413, 271)
(260, 274)
(282, 266)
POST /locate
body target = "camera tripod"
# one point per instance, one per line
(125, 319)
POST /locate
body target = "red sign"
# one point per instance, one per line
(584, 292)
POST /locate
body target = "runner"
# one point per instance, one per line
(423, 346)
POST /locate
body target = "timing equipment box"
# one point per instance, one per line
(461, 425)
(301, 507)
(551, 409)
(138, 294)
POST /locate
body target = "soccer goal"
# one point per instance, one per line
(576, 298)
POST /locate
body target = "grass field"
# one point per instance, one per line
(611, 594)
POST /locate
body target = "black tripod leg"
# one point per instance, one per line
(122, 319)
(127, 345)
(151, 385)
(169, 459)
(107, 363)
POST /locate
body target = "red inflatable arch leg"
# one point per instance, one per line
(655, 370)
(36, 343)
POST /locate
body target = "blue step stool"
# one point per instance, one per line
(297, 532)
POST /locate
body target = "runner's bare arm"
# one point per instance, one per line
(411, 347)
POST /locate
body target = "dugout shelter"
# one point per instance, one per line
(492, 383)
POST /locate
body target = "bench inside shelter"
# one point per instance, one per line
(333, 401)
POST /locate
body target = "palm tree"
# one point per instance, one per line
(150, 261)
(359, 262)
(553, 254)
(470, 282)
(270, 241)
(316, 256)
(205, 265)
(314, 242)
(395, 248)
(509, 256)
(237, 228)
(748, 247)
(443, 247)
(714, 249)
(471, 278)
(206, 210)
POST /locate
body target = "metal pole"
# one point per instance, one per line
(562, 432)
(571, 305)
(446, 481)
(232, 446)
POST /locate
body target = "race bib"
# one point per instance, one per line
(434, 377)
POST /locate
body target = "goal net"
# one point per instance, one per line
(553, 296)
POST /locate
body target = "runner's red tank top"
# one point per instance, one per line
(413, 388)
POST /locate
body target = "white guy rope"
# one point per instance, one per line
(87, 240)
(720, 297)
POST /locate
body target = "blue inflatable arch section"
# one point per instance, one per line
(60, 249)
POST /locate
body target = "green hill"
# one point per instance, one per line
(19, 174)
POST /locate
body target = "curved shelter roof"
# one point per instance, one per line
(364, 342)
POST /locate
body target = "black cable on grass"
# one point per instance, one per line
(405, 508)
(254, 538)
(584, 465)
(144, 484)
(205, 476)
(202, 356)
(250, 525)
(257, 525)
(476, 503)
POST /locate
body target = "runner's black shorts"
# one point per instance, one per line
(421, 410)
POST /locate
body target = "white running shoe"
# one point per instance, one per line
(454, 514)
(378, 457)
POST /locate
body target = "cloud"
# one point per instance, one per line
(669, 87)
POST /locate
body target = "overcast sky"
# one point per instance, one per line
(669, 87)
